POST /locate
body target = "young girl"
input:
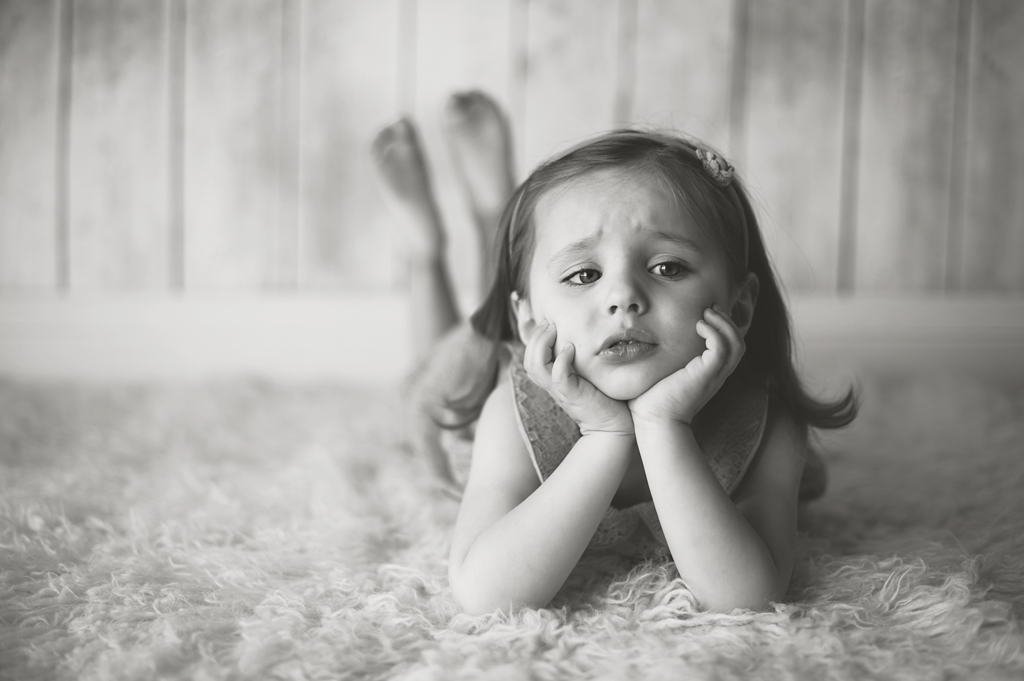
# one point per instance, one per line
(628, 383)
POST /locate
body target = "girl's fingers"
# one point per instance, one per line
(538, 356)
(714, 355)
(729, 334)
(562, 375)
(726, 326)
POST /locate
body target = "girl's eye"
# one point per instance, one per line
(667, 269)
(582, 276)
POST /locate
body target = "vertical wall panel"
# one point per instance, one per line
(233, 143)
(794, 140)
(118, 211)
(460, 45)
(993, 245)
(286, 248)
(349, 74)
(906, 143)
(625, 62)
(29, 47)
(683, 58)
(177, 22)
(853, 91)
(571, 62)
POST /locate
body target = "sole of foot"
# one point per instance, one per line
(481, 143)
(404, 179)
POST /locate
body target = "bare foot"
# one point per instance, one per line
(405, 182)
(482, 147)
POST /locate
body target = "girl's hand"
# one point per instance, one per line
(679, 396)
(591, 409)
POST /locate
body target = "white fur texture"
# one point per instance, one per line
(246, 530)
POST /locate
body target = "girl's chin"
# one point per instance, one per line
(624, 388)
(630, 381)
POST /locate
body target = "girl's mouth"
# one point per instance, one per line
(627, 336)
(626, 350)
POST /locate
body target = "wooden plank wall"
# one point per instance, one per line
(118, 170)
(31, 91)
(196, 145)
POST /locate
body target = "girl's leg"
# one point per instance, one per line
(405, 183)
(482, 146)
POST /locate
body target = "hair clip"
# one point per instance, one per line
(720, 171)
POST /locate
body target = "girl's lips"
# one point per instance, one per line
(633, 334)
(626, 345)
(625, 351)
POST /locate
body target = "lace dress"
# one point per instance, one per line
(729, 444)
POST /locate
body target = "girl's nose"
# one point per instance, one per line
(626, 295)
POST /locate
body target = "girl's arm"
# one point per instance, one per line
(732, 552)
(516, 540)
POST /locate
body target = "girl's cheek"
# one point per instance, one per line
(693, 344)
(564, 339)
(581, 367)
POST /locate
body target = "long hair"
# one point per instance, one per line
(724, 212)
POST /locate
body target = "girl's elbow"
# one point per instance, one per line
(470, 600)
(472, 605)
(472, 597)
(480, 597)
(480, 601)
(757, 595)
(466, 597)
(726, 603)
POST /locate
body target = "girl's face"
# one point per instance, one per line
(624, 274)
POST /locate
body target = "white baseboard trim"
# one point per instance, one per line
(365, 339)
(978, 335)
(362, 339)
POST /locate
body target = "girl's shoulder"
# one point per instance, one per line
(799, 456)
(784, 464)
(500, 458)
(498, 416)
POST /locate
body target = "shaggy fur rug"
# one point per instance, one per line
(247, 530)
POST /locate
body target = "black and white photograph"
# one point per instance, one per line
(518, 340)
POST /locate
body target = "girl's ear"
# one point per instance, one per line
(742, 312)
(521, 310)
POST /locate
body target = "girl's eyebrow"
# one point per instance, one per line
(577, 248)
(679, 240)
(574, 250)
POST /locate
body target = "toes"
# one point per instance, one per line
(380, 141)
(401, 131)
(461, 103)
(397, 143)
(404, 129)
(471, 108)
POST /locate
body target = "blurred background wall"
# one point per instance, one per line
(187, 147)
